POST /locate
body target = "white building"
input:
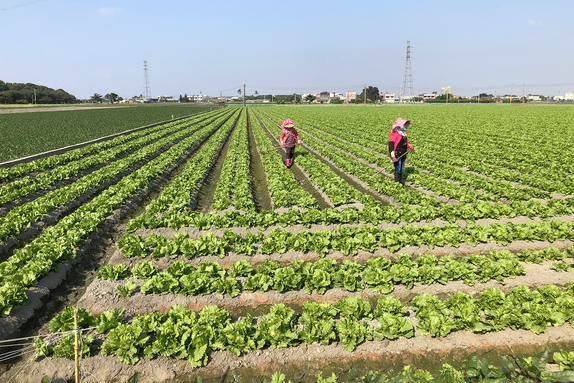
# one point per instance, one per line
(196, 97)
(533, 97)
(389, 98)
(429, 96)
(166, 99)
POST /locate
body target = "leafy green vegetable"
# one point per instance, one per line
(65, 320)
(127, 290)
(125, 341)
(352, 332)
(144, 270)
(319, 323)
(278, 328)
(65, 348)
(108, 320)
(114, 272)
(565, 358)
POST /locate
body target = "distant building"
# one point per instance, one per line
(388, 98)
(197, 98)
(569, 97)
(533, 97)
(350, 96)
(166, 99)
(429, 96)
(323, 97)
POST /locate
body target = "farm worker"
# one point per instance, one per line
(289, 138)
(399, 147)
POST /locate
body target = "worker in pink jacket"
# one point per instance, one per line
(289, 138)
(399, 147)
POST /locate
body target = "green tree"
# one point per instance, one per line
(96, 98)
(111, 97)
(372, 95)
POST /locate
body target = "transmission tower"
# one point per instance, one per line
(407, 88)
(147, 91)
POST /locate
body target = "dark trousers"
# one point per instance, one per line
(290, 150)
(400, 165)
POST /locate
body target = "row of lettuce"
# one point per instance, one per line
(346, 239)
(59, 242)
(377, 274)
(185, 334)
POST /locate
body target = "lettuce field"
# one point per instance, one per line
(190, 252)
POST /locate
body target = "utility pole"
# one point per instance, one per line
(523, 90)
(243, 95)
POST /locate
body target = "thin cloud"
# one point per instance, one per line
(534, 23)
(109, 11)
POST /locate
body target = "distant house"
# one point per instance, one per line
(323, 97)
(166, 99)
(388, 98)
(200, 97)
(429, 96)
(350, 96)
(534, 97)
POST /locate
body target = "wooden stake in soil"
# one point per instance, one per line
(76, 347)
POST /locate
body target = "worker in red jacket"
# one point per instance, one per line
(399, 147)
(289, 138)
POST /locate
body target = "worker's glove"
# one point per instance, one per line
(411, 148)
(298, 142)
(393, 156)
(282, 144)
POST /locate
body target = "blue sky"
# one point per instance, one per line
(87, 47)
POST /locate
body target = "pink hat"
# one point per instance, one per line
(287, 124)
(401, 124)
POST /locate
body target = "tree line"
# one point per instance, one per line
(19, 93)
